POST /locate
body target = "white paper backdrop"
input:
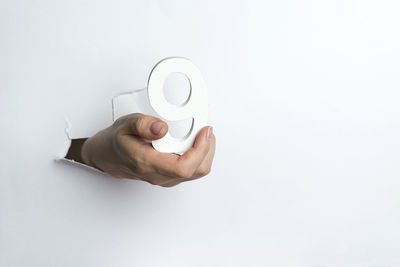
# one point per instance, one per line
(304, 100)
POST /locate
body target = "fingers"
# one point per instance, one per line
(205, 166)
(192, 158)
(165, 169)
(185, 166)
(147, 127)
(203, 170)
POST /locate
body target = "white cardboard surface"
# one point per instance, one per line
(304, 104)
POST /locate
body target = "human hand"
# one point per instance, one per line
(124, 150)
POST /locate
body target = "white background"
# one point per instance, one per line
(304, 100)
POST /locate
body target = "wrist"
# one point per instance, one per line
(90, 152)
(75, 150)
(85, 155)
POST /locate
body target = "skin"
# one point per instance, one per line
(124, 150)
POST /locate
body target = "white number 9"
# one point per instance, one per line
(196, 107)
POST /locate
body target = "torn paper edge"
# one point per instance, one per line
(67, 131)
(120, 94)
(61, 158)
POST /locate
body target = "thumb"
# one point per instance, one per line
(147, 127)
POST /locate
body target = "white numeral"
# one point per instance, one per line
(196, 107)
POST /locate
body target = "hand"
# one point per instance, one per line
(124, 150)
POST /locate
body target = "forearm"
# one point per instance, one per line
(95, 151)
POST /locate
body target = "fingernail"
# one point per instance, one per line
(156, 127)
(209, 133)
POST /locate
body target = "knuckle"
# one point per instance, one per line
(126, 119)
(140, 122)
(184, 172)
(119, 121)
(203, 171)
